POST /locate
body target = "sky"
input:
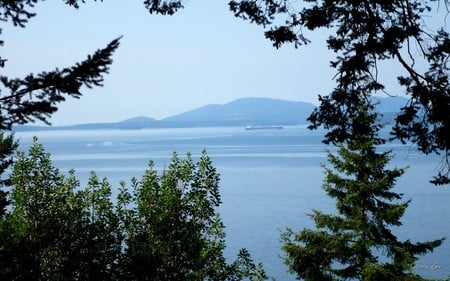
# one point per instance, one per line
(165, 65)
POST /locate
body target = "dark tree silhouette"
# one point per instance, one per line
(363, 33)
(35, 97)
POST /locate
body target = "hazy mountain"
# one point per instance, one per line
(241, 112)
(128, 124)
(138, 120)
(256, 111)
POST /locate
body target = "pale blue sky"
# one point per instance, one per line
(165, 65)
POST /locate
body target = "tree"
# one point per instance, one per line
(175, 233)
(357, 243)
(167, 228)
(362, 34)
(55, 230)
(24, 100)
(48, 212)
(35, 97)
(7, 149)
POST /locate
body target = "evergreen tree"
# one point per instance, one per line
(36, 96)
(357, 243)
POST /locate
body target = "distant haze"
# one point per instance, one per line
(241, 112)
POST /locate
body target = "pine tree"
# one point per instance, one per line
(357, 242)
(36, 97)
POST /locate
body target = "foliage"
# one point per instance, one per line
(175, 232)
(363, 33)
(54, 230)
(167, 228)
(7, 149)
(35, 97)
(357, 243)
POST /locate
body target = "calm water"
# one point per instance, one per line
(270, 180)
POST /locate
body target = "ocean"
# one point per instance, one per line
(270, 181)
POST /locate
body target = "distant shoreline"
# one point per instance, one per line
(261, 113)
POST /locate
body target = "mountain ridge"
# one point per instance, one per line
(257, 111)
(239, 112)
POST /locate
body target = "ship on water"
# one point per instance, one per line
(251, 127)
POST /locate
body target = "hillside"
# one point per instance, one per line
(256, 111)
(241, 112)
